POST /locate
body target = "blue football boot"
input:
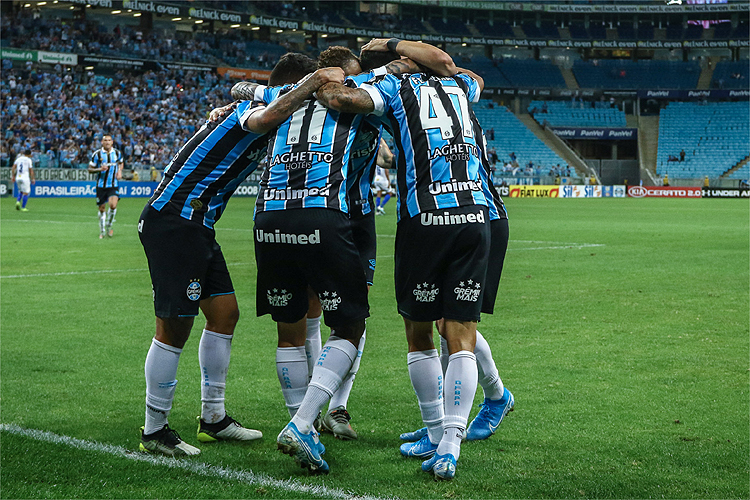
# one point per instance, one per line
(305, 448)
(490, 415)
(414, 435)
(421, 449)
(441, 466)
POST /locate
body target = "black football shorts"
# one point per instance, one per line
(185, 262)
(498, 248)
(441, 264)
(103, 195)
(366, 241)
(308, 246)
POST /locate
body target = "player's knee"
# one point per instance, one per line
(351, 331)
(225, 322)
(173, 331)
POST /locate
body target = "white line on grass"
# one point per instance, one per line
(201, 468)
(562, 246)
(98, 271)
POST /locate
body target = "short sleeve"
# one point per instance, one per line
(382, 89)
(265, 94)
(473, 87)
(94, 159)
(245, 109)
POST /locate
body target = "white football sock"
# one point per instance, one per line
(335, 361)
(489, 378)
(291, 368)
(111, 216)
(312, 343)
(160, 370)
(444, 355)
(102, 221)
(213, 356)
(427, 380)
(460, 387)
(341, 397)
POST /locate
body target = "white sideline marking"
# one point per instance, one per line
(562, 246)
(201, 468)
(99, 271)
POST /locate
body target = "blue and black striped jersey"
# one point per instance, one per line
(364, 155)
(204, 174)
(308, 157)
(107, 178)
(437, 154)
(495, 204)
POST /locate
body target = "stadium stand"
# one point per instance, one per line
(715, 138)
(565, 114)
(531, 73)
(731, 75)
(578, 31)
(627, 74)
(512, 136)
(626, 31)
(498, 28)
(488, 69)
(645, 31)
(451, 27)
(62, 115)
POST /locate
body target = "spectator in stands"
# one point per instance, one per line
(513, 160)
(682, 155)
(491, 134)
(493, 156)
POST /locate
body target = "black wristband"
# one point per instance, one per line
(392, 44)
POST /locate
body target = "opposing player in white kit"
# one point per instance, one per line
(23, 175)
(381, 183)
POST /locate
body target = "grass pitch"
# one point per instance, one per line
(621, 328)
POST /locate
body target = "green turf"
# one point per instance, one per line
(621, 328)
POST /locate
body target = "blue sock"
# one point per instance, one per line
(377, 201)
(20, 195)
(387, 197)
(25, 199)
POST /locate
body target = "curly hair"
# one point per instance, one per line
(338, 57)
(291, 68)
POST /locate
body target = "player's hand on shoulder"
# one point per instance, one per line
(218, 113)
(330, 75)
(376, 45)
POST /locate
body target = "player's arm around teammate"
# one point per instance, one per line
(188, 273)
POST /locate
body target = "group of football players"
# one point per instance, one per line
(317, 129)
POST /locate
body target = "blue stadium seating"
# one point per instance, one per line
(626, 32)
(598, 31)
(724, 71)
(452, 27)
(645, 31)
(694, 32)
(497, 29)
(512, 136)
(722, 31)
(578, 31)
(531, 73)
(487, 69)
(714, 136)
(563, 114)
(626, 74)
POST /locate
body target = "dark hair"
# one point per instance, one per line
(27, 152)
(371, 59)
(337, 56)
(291, 68)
